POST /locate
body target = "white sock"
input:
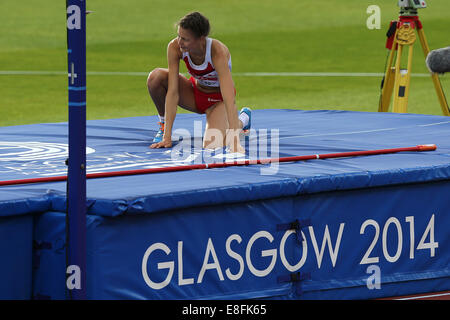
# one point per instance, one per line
(161, 118)
(244, 119)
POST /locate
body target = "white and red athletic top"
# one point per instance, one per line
(205, 73)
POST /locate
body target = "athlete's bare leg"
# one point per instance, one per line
(157, 84)
(216, 126)
(216, 115)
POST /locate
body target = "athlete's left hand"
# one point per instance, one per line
(163, 144)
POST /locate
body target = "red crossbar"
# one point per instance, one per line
(428, 147)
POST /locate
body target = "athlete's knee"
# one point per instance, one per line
(156, 78)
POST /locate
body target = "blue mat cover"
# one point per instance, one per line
(121, 144)
(228, 233)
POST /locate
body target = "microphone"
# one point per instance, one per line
(438, 60)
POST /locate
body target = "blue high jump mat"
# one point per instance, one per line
(345, 228)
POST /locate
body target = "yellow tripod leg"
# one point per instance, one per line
(401, 103)
(388, 83)
(386, 93)
(434, 76)
(404, 83)
(395, 107)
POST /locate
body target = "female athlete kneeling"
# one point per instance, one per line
(209, 90)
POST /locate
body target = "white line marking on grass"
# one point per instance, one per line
(30, 73)
(237, 74)
(307, 74)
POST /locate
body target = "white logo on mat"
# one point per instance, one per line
(27, 151)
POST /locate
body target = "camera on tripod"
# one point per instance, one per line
(413, 4)
(396, 80)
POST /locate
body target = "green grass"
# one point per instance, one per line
(262, 35)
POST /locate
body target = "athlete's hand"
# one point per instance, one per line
(165, 143)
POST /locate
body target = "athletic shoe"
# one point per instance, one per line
(248, 112)
(159, 135)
